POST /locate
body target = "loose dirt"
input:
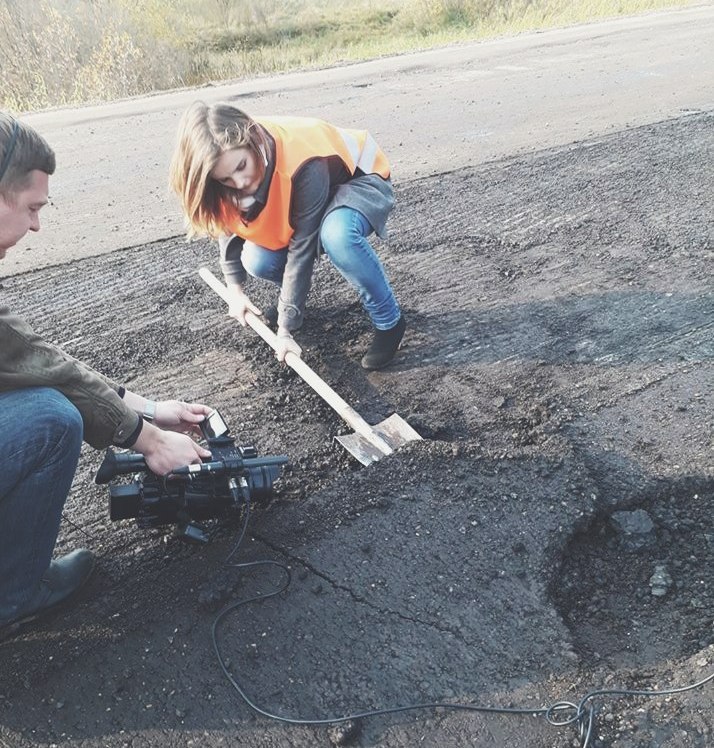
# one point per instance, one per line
(558, 365)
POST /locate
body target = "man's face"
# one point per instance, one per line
(23, 214)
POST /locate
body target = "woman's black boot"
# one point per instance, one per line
(385, 344)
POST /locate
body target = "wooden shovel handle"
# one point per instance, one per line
(341, 407)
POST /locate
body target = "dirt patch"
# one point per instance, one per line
(558, 365)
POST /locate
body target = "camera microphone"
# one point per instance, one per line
(232, 464)
(199, 468)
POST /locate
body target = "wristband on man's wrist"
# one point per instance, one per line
(149, 413)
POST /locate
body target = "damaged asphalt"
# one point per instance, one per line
(557, 364)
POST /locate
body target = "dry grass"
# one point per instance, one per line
(56, 52)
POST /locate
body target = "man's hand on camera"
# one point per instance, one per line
(165, 450)
(176, 415)
(240, 304)
(286, 344)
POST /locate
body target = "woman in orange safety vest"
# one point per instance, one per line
(275, 191)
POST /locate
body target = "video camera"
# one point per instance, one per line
(216, 488)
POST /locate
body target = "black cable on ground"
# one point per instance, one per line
(582, 714)
(560, 714)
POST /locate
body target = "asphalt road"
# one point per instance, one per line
(433, 112)
(558, 363)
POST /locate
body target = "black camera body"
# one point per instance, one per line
(215, 489)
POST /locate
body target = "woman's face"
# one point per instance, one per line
(239, 169)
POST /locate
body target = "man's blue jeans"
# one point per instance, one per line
(343, 235)
(40, 440)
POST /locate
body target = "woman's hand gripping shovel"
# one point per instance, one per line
(369, 443)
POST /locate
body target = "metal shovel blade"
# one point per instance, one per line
(393, 430)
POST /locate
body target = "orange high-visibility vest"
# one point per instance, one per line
(297, 140)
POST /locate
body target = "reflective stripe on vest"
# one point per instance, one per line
(297, 140)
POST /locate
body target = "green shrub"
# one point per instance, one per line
(55, 52)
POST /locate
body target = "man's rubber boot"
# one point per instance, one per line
(61, 580)
(385, 344)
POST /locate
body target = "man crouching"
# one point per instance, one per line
(50, 403)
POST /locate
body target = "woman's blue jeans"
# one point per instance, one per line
(343, 235)
(40, 439)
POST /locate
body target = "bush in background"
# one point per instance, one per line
(63, 52)
(57, 52)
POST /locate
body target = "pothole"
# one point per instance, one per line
(636, 585)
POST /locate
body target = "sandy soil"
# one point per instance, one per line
(557, 364)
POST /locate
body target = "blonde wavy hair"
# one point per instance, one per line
(204, 134)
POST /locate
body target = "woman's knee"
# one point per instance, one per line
(341, 229)
(266, 264)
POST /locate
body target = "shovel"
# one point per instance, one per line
(369, 443)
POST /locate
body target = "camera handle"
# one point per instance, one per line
(190, 530)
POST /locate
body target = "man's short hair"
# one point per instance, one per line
(22, 150)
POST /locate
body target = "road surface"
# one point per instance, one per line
(433, 112)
